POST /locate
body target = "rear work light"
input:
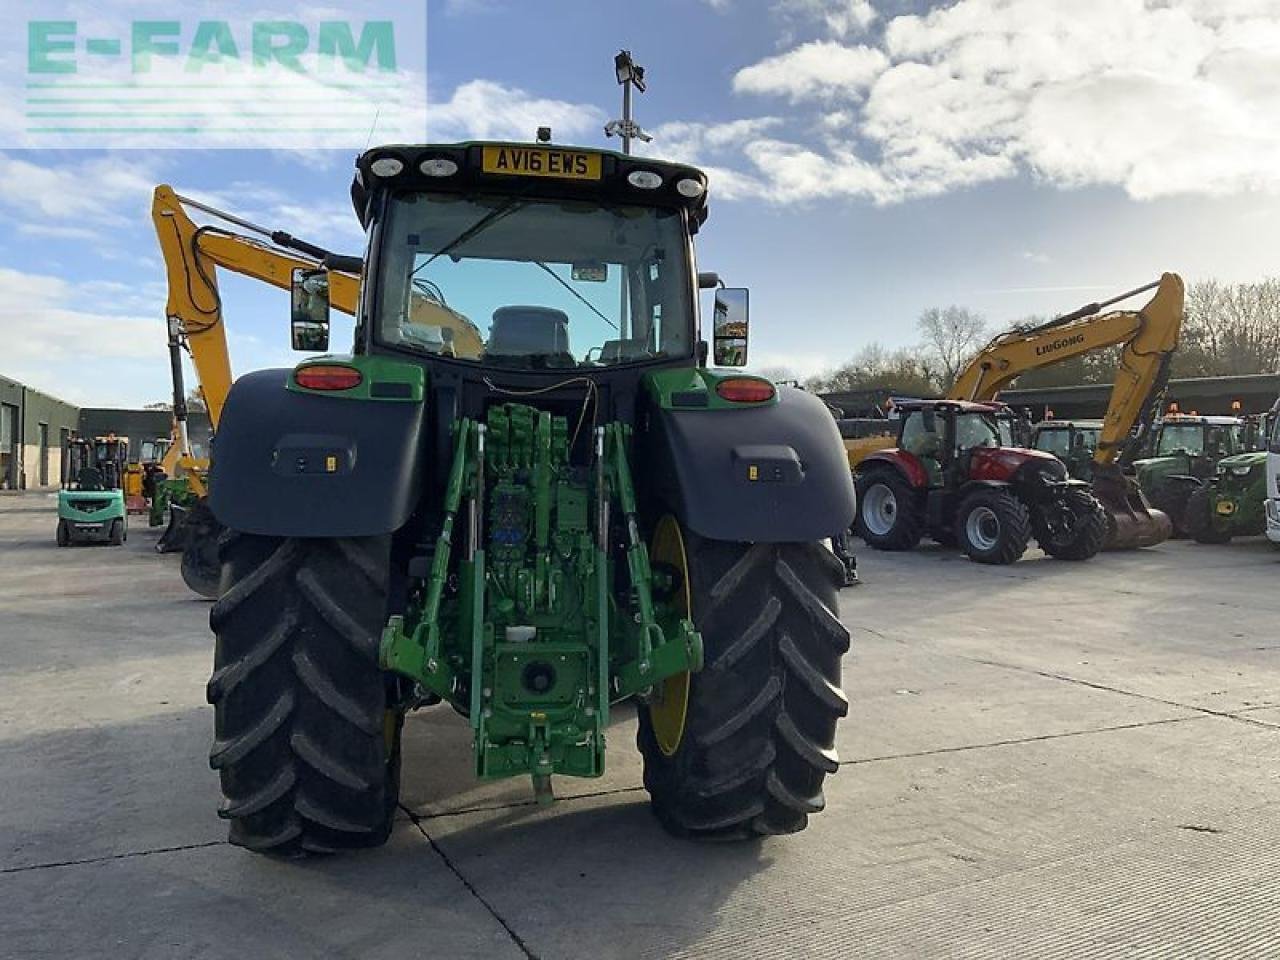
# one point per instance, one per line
(327, 377)
(745, 390)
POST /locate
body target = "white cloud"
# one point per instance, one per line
(819, 68)
(92, 191)
(1154, 97)
(840, 17)
(710, 146)
(482, 110)
(46, 320)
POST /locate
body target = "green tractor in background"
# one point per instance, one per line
(91, 503)
(530, 528)
(1232, 504)
(1184, 454)
(1071, 441)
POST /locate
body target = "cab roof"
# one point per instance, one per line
(962, 406)
(1079, 424)
(474, 167)
(1192, 419)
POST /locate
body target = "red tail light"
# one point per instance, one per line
(745, 390)
(327, 377)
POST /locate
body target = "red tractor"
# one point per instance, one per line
(951, 478)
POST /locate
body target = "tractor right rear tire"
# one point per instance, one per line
(888, 515)
(1197, 518)
(117, 532)
(993, 526)
(759, 733)
(307, 744)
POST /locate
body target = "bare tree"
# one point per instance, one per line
(1231, 329)
(875, 367)
(951, 336)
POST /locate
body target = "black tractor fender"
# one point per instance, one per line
(288, 463)
(772, 473)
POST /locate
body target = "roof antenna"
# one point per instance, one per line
(369, 139)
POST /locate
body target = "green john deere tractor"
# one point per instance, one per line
(1233, 504)
(527, 523)
(1071, 441)
(1184, 454)
(91, 505)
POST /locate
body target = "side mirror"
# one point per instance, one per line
(730, 326)
(309, 314)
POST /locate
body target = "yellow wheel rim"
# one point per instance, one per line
(390, 724)
(667, 712)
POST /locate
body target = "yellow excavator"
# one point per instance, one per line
(1149, 337)
(192, 253)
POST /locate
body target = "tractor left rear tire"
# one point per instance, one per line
(1084, 537)
(64, 534)
(993, 526)
(307, 740)
(759, 732)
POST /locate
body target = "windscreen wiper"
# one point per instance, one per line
(590, 305)
(488, 220)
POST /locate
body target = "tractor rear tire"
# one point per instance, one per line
(64, 534)
(307, 743)
(759, 732)
(1197, 518)
(993, 526)
(888, 516)
(117, 532)
(1087, 533)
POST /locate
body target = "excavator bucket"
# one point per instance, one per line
(174, 538)
(194, 532)
(1131, 521)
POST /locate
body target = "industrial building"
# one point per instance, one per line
(34, 428)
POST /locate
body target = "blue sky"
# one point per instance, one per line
(868, 160)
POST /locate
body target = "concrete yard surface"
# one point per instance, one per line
(1041, 760)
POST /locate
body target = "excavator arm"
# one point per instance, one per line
(1149, 336)
(194, 308)
(192, 256)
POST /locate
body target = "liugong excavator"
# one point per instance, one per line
(195, 323)
(1149, 337)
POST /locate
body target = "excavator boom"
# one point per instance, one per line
(1149, 337)
(192, 256)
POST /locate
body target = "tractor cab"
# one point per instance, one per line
(91, 503)
(1074, 442)
(1182, 456)
(953, 440)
